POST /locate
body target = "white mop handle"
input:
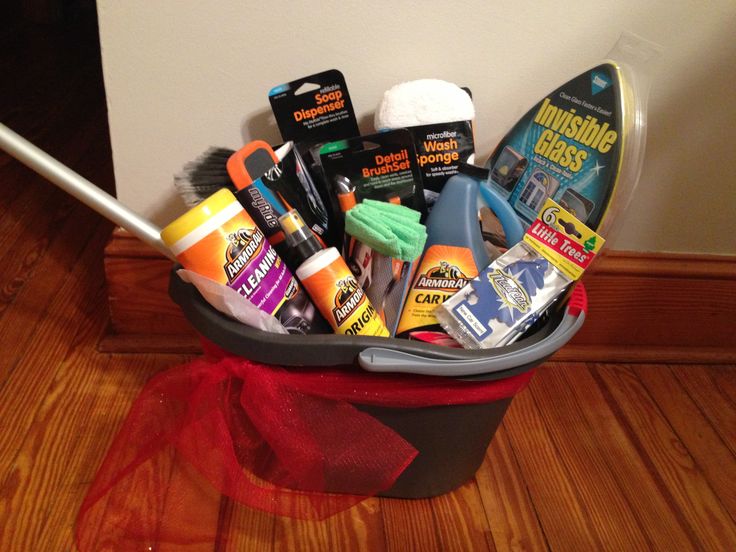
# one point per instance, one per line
(81, 188)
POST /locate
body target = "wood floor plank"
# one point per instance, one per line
(191, 503)
(68, 426)
(32, 304)
(39, 469)
(146, 482)
(104, 404)
(460, 520)
(132, 527)
(76, 307)
(562, 513)
(409, 525)
(358, 529)
(37, 220)
(22, 255)
(244, 529)
(297, 534)
(706, 515)
(724, 377)
(19, 195)
(610, 512)
(665, 526)
(709, 389)
(694, 430)
(507, 505)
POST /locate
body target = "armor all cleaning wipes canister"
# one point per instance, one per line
(219, 240)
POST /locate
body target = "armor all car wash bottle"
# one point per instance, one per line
(454, 255)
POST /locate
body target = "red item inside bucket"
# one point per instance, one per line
(285, 441)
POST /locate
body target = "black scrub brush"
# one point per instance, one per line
(205, 175)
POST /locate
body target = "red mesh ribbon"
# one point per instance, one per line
(264, 436)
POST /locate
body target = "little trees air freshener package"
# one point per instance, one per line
(506, 298)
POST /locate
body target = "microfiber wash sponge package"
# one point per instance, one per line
(498, 306)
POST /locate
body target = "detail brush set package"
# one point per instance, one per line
(379, 166)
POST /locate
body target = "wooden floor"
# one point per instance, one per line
(589, 457)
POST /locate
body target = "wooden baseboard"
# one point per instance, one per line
(643, 307)
(142, 316)
(648, 354)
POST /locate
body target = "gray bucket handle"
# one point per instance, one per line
(376, 359)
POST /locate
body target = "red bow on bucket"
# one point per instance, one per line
(288, 442)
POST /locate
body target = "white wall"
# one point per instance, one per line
(183, 75)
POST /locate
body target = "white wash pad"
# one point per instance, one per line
(423, 102)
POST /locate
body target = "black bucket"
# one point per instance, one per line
(451, 439)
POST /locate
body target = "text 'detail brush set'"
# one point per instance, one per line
(401, 233)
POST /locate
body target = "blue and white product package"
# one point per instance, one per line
(506, 298)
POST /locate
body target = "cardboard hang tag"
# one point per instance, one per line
(314, 109)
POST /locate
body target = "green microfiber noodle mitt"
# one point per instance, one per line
(393, 210)
(364, 227)
(389, 229)
(404, 222)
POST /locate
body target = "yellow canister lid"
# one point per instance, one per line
(197, 215)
